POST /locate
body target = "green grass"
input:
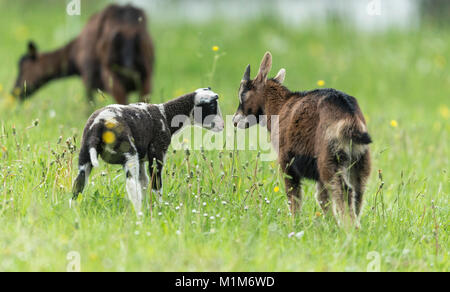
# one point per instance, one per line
(401, 76)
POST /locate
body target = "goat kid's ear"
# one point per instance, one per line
(264, 68)
(32, 50)
(246, 74)
(280, 76)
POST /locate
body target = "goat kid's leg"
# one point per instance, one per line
(358, 177)
(133, 185)
(145, 90)
(114, 87)
(342, 194)
(322, 197)
(294, 192)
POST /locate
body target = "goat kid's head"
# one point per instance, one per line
(206, 112)
(28, 77)
(251, 94)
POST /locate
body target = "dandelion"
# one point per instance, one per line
(321, 83)
(215, 48)
(93, 257)
(444, 111)
(276, 189)
(394, 124)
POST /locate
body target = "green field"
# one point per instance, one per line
(241, 222)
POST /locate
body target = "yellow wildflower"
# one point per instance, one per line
(318, 214)
(215, 48)
(321, 83)
(444, 111)
(276, 189)
(394, 124)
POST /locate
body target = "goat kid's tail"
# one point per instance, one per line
(356, 131)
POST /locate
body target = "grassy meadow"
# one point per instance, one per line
(216, 216)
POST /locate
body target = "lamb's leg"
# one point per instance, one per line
(155, 169)
(84, 170)
(143, 176)
(133, 185)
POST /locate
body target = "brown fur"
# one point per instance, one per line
(322, 136)
(114, 53)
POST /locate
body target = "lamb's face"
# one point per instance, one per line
(206, 111)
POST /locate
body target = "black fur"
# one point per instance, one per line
(303, 166)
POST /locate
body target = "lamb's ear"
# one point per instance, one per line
(264, 68)
(246, 76)
(280, 76)
(32, 50)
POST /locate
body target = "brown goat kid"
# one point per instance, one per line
(321, 135)
(113, 53)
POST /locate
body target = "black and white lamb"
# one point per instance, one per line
(132, 134)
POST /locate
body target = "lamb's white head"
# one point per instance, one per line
(207, 111)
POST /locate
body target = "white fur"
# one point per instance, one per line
(163, 125)
(202, 94)
(108, 113)
(93, 156)
(143, 176)
(133, 184)
(161, 110)
(281, 75)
